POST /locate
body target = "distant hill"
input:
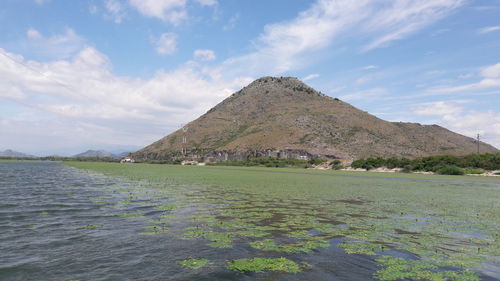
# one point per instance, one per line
(12, 153)
(101, 154)
(286, 118)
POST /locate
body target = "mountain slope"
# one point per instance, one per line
(285, 114)
(12, 153)
(98, 154)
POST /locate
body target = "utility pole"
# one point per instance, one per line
(184, 140)
(477, 143)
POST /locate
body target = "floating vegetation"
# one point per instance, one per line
(91, 226)
(194, 263)
(448, 225)
(302, 246)
(358, 247)
(264, 264)
(398, 268)
(44, 213)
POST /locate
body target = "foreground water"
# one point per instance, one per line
(61, 223)
(50, 230)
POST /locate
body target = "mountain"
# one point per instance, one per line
(101, 154)
(12, 153)
(286, 118)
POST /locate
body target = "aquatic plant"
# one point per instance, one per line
(193, 263)
(264, 264)
(91, 226)
(398, 268)
(441, 220)
(358, 247)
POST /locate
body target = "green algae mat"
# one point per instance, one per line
(415, 227)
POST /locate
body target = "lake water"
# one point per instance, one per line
(57, 223)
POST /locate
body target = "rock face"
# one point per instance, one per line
(283, 117)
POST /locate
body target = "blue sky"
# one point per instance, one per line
(120, 74)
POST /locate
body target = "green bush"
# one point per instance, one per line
(337, 165)
(265, 162)
(473, 171)
(450, 170)
(477, 162)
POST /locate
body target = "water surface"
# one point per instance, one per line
(61, 223)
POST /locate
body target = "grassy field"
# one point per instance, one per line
(445, 227)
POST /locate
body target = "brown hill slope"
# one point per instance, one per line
(285, 114)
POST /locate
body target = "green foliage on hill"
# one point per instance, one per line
(441, 164)
(271, 162)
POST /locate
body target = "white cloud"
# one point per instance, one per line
(207, 2)
(437, 108)
(59, 46)
(404, 17)
(466, 122)
(491, 72)
(489, 29)
(310, 77)
(166, 44)
(116, 10)
(173, 11)
(292, 44)
(487, 124)
(82, 91)
(369, 67)
(204, 55)
(33, 34)
(490, 79)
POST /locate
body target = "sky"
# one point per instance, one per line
(120, 74)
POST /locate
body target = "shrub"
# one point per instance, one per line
(336, 165)
(473, 171)
(450, 170)
(407, 169)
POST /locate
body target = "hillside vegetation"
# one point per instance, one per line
(442, 164)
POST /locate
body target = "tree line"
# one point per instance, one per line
(441, 164)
